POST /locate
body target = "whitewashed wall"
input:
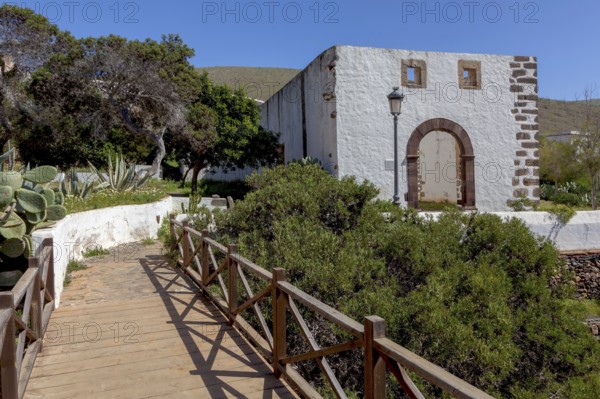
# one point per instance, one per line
(221, 175)
(365, 127)
(320, 96)
(104, 228)
(307, 103)
(581, 234)
(359, 138)
(283, 114)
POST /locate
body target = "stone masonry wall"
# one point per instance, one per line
(586, 268)
(524, 88)
(594, 325)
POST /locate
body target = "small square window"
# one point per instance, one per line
(414, 73)
(469, 75)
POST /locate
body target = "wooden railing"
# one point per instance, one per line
(24, 313)
(200, 262)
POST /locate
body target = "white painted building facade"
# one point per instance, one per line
(479, 113)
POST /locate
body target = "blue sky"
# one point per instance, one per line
(564, 35)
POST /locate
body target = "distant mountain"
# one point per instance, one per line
(261, 83)
(561, 116)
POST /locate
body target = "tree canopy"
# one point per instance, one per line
(225, 132)
(140, 97)
(27, 41)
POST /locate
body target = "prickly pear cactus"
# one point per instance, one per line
(26, 203)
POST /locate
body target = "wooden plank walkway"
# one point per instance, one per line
(131, 326)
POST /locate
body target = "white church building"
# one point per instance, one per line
(467, 135)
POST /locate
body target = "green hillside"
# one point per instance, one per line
(261, 83)
(561, 116)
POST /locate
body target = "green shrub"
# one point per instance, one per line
(522, 204)
(95, 251)
(167, 240)
(570, 199)
(569, 193)
(466, 291)
(147, 241)
(561, 214)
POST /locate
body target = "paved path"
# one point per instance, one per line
(130, 326)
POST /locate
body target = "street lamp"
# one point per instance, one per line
(395, 100)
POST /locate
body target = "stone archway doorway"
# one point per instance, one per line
(467, 160)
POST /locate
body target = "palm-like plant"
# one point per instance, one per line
(71, 185)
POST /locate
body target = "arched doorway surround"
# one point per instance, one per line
(467, 159)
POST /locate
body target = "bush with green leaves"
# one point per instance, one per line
(469, 292)
(568, 193)
(522, 204)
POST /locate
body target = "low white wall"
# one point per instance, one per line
(104, 228)
(582, 233)
(109, 227)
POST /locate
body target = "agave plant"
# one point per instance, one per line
(71, 185)
(121, 177)
(307, 161)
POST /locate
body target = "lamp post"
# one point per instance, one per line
(395, 100)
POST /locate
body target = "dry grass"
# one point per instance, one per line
(561, 116)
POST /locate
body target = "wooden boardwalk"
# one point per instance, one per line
(131, 326)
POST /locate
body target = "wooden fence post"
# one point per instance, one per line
(185, 244)
(375, 368)
(233, 283)
(172, 231)
(49, 283)
(279, 321)
(37, 302)
(205, 258)
(8, 359)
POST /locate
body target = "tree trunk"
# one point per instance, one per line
(5, 125)
(157, 138)
(195, 173)
(182, 185)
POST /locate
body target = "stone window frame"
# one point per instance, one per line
(469, 65)
(417, 64)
